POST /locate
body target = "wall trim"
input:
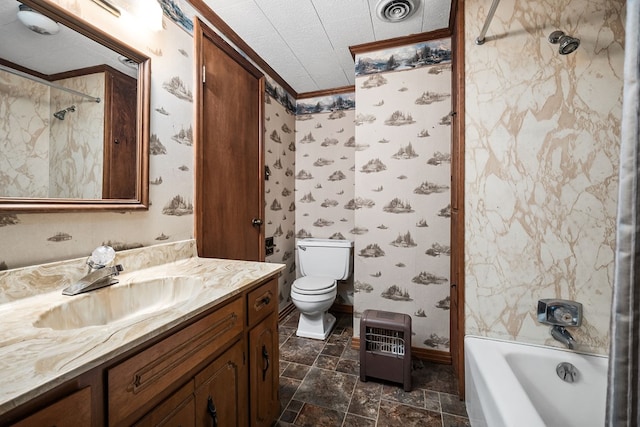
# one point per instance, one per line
(399, 41)
(327, 92)
(435, 356)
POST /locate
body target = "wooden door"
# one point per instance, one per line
(221, 390)
(121, 145)
(229, 151)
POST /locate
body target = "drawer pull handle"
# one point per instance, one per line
(266, 300)
(265, 356)
(211, 408)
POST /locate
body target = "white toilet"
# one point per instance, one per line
(322, 263)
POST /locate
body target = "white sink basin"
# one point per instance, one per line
(119, 302)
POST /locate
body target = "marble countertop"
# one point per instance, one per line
(35, 359)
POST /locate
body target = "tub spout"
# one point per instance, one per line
(560, 333)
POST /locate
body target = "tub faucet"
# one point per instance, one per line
(560, 333)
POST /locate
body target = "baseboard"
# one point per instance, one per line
(286, 311)
(434, 356)
(342, 308)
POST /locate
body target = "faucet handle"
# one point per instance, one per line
(101, 256)
(559, 312)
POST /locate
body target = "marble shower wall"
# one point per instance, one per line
(402, 187)
(279, 212)
(324, 174)
(542, 137)
(24, 137)
(76, 144)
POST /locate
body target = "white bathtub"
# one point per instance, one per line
(510, 384)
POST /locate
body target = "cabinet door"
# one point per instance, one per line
(221, 390)
(263, 372)
(176, 411)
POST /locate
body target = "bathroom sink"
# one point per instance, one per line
(119, 302)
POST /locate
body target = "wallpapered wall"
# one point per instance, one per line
(542, 135)
(280, 152)
(325, 153)
(29, 239)
(402, 187)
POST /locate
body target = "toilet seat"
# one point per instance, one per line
(309, 285)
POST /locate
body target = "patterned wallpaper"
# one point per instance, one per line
(29, 239)
(542, 135)
(324, 173)
(402, 187)
(280, 152)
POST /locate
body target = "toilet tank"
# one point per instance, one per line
(325, 258)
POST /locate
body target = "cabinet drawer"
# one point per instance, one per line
(70, 411)
(262, 301)
(142, 381)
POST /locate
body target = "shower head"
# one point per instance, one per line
(567, 44)
(60, 114)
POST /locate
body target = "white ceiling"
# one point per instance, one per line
(65, 51)
(307, 41)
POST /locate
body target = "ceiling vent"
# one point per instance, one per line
(395, 10)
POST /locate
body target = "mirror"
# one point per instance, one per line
(74, 115)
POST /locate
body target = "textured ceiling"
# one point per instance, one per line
(67, 50)
(307, 41)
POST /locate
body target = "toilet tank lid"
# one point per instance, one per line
(325, 242)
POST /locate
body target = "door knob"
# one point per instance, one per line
(256, 222)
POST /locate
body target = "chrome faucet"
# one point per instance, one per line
(560, 313)
(99, 274)
(560, 333)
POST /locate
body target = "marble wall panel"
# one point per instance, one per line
(24, 137)
(76, 143)
(541, 158)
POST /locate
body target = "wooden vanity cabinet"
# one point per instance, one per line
(220, 370)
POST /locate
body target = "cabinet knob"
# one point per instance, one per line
(256, 222)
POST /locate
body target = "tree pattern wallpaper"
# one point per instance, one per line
(402, 194)
(280, 152)
(324, 172)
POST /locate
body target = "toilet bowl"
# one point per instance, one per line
(313, 296)
(322, 263)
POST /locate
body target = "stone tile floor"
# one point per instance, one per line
(320, 386)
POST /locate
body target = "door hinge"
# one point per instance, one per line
(204, 74)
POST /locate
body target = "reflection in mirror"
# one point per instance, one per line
(73, 114)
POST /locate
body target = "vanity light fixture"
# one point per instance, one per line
(37, 22)
(110, 7)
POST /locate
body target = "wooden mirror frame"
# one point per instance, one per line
(141, 200)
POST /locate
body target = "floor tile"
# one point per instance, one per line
(451, 404)
(296, 371)
(329, 389)
(320, 386)
(397, 414)
(356, 421)
(366, 399)
(315, 416)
